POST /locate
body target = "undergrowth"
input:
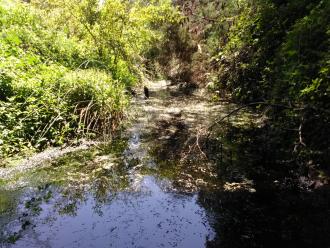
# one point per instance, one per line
(63, 75)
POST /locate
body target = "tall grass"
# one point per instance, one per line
(52, 89)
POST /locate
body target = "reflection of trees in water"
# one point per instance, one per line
(171, 135)
(257, 199)
(281, 218)
(176, 157)
(64, 186)
(47, 201)
(282, 212)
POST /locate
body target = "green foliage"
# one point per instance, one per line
(64, 67)
(173, 55)
(275, 48)
(271, 51)
(304, 54)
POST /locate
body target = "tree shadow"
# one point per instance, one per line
(283, 206)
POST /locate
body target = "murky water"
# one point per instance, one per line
(131, 193)
(160, 184)
(148, 217)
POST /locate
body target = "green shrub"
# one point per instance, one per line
(77, 104)
(64, 67)
(44, 99)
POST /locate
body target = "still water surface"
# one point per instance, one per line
(131, 193)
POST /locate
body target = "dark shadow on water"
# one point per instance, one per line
(277, 207)
(277, 218)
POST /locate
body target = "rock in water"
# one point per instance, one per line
(146, 92)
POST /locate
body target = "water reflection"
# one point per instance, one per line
(154, 188)
(153, 216)
(123, 194)
(264, 202)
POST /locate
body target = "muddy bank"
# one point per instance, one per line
(42, 158)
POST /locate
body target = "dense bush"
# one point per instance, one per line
(276, 52)
(64, 67)
(275, 49)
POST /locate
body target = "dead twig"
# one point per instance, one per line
(195, 146)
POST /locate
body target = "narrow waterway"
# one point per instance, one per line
(142, 190)
(161, 183)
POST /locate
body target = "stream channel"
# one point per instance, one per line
(137, 191)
